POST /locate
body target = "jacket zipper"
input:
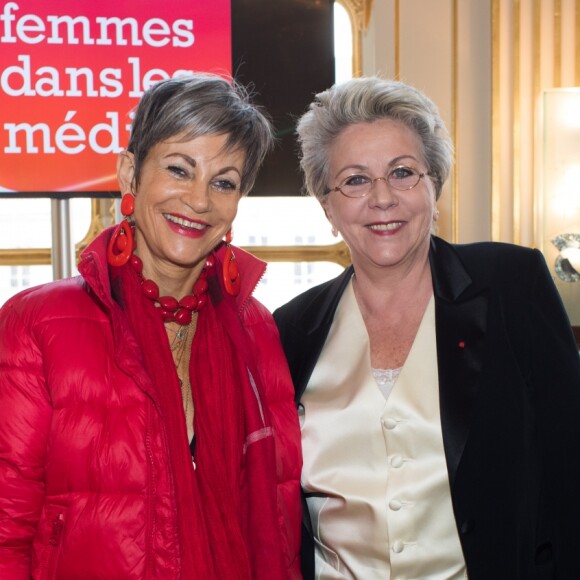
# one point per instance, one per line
(151, 514)
(54, 541)
(57, 525)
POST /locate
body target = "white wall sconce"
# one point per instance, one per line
(567, 263)
(559, 208)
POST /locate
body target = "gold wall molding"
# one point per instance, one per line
(28, 257)
(455, 124)
(577, 43)
(529, 55)
(336, 253)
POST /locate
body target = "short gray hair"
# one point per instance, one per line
(196, 105)
(364, 100)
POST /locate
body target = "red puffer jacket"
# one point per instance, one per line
(85, 484)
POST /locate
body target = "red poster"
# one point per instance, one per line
(72, 70)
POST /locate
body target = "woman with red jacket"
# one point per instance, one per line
(147, 428)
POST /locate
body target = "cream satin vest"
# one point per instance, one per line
(374, 469)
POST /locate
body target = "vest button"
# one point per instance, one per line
(389, 423)
(395, 505)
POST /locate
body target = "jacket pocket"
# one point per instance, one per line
(48, 542)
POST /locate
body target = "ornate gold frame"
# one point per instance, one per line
(360, 15)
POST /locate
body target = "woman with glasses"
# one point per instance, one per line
(438, 385)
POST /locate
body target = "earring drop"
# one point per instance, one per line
(121, 244)
(334, 231)
(231, 273)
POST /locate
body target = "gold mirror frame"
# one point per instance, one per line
(360, 15)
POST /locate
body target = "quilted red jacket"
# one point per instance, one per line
(85, 488)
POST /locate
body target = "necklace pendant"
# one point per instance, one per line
(183, 316)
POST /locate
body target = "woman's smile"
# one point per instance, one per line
(184, 226)
(186, 201)
(385, 227)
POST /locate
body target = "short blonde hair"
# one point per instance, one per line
(364, 100)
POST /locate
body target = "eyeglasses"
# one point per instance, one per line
(401, 178)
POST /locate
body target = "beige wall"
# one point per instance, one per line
(486, 64)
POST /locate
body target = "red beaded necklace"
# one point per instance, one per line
(174, 310)
(120, 251)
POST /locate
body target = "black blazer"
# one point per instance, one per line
(509, 392)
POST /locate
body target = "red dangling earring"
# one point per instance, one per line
(121, 244)
(231, 273)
